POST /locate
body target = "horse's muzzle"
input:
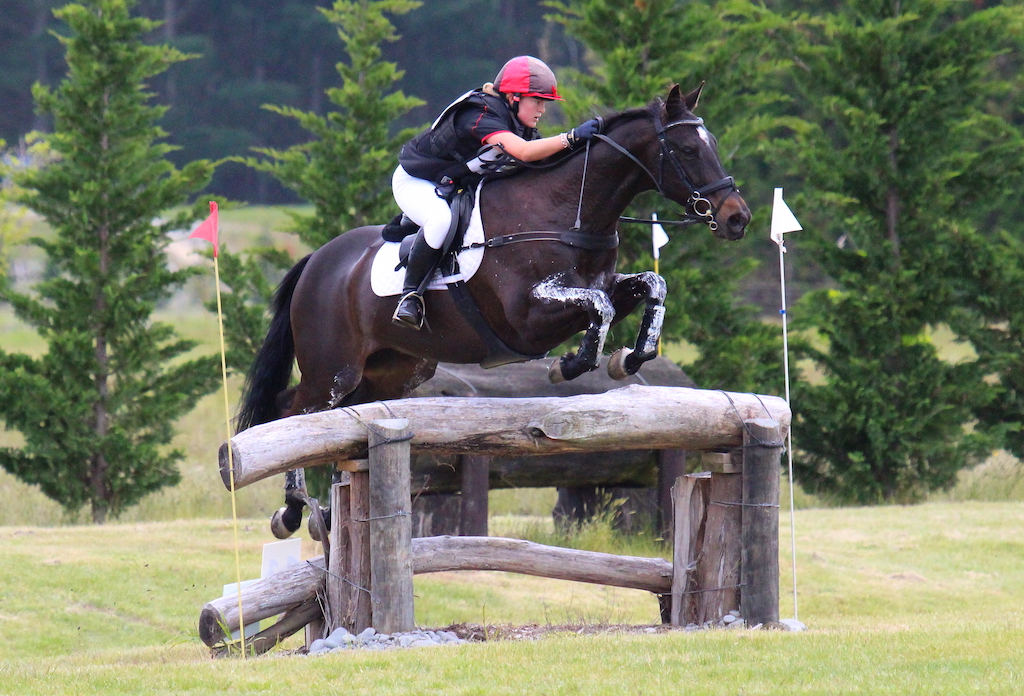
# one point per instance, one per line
(733, 218)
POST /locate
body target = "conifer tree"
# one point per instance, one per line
(904, 154)
(97, 410)
(344, 169)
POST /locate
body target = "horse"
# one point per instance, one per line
(534, 288)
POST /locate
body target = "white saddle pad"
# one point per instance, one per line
(386, 281)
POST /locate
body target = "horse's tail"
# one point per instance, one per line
(271, 371)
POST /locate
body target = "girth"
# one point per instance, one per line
(573, 238)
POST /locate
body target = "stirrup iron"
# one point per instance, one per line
(409, 319)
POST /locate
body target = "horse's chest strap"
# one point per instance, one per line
(580, 240)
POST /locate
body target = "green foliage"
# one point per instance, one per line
(344, 169)
(641, 48)
(904, 145)
(248, 279)
(9, 217)
(97, 410)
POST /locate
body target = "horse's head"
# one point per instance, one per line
(690, 172)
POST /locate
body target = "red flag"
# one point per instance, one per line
(208, 230)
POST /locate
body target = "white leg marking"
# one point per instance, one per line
(554, 289)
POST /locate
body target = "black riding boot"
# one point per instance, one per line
(423, 259)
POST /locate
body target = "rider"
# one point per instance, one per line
(479, 133)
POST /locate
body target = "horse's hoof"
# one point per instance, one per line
(277, 526)
(314, 528)
(617, 364)
(555, 375)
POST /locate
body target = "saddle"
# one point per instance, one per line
(402, 229)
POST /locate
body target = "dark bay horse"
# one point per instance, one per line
(534, 295)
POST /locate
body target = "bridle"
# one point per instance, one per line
(700, 207)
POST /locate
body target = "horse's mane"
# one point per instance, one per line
(630, 115)
(611, 121)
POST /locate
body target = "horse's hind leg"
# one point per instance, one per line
(626, 294)
(601, 312)
(384, 375)
(305, 399)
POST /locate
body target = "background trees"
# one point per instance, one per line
(895, 128)
(97, 410)
(904, 147)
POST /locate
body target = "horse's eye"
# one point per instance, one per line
(689, 152)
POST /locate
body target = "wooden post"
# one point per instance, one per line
(689, 503)
(358, 585)
(759, 596)
(390, 526)
(475, 487)
(671, 465)
(718, 567)
(339, 607)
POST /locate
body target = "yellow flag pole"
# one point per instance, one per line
(231, 460)
(208, 231)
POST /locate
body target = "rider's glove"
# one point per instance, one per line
(583, 132)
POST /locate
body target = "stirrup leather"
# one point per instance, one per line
(410, 311)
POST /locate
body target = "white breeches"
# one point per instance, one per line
(418, 199)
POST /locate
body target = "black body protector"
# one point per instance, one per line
(449, 153)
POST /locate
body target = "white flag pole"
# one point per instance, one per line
(784, 221)
(658, 239)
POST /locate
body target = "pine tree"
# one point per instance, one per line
(97, 410)
(904, 153)
(345, 168)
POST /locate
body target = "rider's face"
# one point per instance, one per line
(530, 110)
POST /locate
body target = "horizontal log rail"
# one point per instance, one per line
(634, 417)
(297, 586)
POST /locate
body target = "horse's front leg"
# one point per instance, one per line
(627, 292)
(599, 309)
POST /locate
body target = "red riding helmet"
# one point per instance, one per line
(527, 76)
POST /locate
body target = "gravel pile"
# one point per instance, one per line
(369, 639)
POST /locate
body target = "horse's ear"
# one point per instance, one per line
(693, 97)
(677, 103)
(674, 106)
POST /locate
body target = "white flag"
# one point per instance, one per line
(783, 219)
(658, 236)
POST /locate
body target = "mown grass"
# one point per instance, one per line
(898, 600)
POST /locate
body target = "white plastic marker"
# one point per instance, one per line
(784, 221)
(658, 239)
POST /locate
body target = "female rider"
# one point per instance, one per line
(475, 135)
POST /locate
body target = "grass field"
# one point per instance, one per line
(899, 600)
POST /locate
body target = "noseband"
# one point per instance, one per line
(703, 211)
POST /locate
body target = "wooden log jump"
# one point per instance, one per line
(305, 583)
(634, 417)
(716, 568)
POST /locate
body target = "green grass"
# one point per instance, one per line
(899, 600)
